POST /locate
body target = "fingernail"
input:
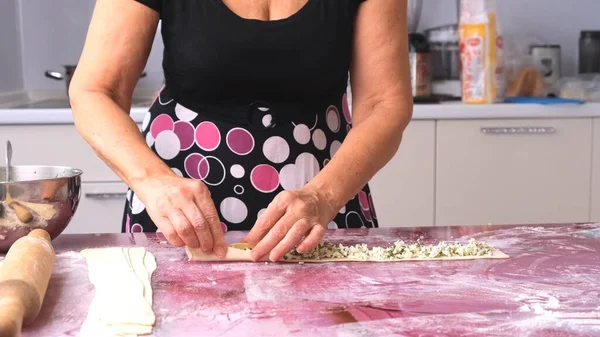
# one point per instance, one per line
(220, 251)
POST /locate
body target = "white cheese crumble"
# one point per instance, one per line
(399, 250)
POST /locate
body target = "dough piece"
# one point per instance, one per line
(399, 251)
(235, 252)
(122, 304)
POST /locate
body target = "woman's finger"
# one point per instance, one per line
(265, 222)
(273, 237)
(215, 231)
(168, 231)
(199, 225)
(291, 239)
(183, 228)
(315, 237)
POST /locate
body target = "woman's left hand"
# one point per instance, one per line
(295, 219)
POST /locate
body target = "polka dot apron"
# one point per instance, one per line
(246, 165)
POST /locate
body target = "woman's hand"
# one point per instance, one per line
(184, 212)
(297, 218)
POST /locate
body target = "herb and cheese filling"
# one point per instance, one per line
(397, 251)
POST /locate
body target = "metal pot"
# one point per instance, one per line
(68, 75)
(444, 51)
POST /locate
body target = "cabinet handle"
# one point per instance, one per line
(106, 196)
(519, 130)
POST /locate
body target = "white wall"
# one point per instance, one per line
(54, 32)
(554, 21)
(11, 78)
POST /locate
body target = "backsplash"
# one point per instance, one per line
(11, 78)
(54, 32)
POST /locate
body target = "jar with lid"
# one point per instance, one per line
(589, 52)
(420, 65)
(546, 57)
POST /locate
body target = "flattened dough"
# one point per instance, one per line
(241, 252)
(235, 252)
(122, 304)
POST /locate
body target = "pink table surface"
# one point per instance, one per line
(549, 287)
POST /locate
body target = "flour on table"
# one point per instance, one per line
(70, 255)
(122, 305)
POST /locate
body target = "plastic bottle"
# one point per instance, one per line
(480, 52)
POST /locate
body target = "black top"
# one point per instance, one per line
(213, 55)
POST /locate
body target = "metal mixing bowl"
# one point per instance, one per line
(50, 193)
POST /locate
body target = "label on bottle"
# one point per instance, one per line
(481, 62)
(473, 68)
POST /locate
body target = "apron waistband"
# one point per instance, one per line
(257, 115)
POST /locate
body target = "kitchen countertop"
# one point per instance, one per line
(57, 111)
(549, 287)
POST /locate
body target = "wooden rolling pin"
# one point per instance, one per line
(24, 279)
(22, 213)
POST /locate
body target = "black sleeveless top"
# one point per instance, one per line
(212, 55)
(251, 107)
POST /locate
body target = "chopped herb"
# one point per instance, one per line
(397, 251)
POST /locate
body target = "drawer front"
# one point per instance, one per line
(100, 209)
(59, 145)
(513, 171)
(403, 191)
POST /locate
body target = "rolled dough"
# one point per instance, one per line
(242, 252)
(122, 304)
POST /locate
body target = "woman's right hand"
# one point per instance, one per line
(184, 212)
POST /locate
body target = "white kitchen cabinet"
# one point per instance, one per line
(100, 209)
(595, 211)
(516, 171)
(55, 144)
(403, 191)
